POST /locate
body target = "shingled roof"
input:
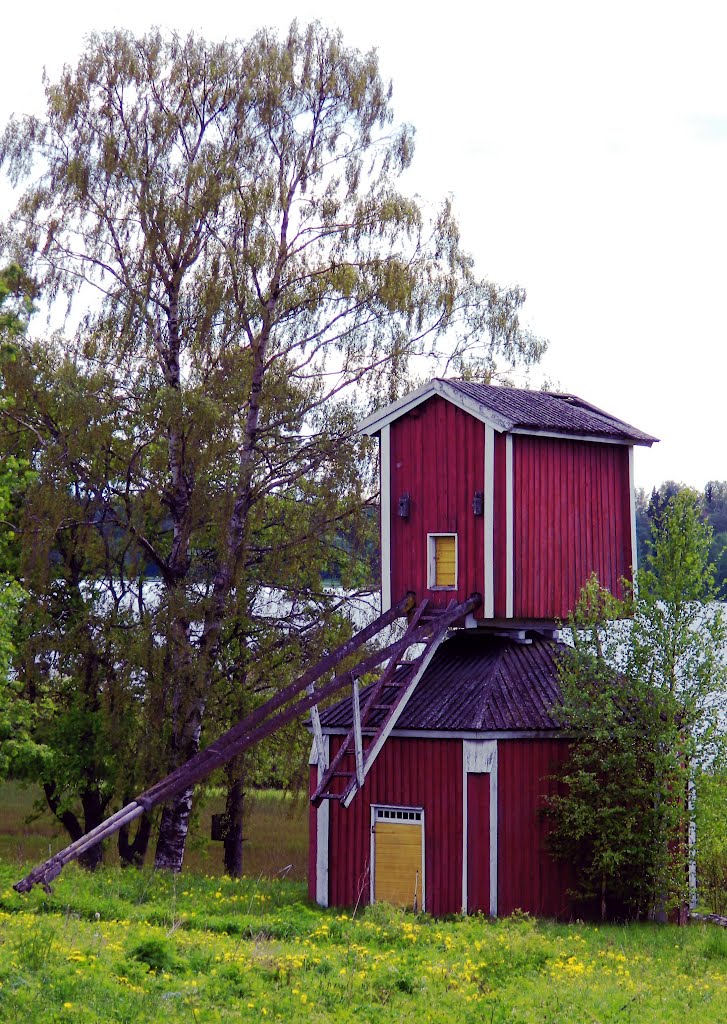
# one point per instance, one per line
(516, 410)
(476, 683)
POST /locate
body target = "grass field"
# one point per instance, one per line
(126, 947)
(276, 830)
(129, 946)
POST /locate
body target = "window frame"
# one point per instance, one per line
(432, 562)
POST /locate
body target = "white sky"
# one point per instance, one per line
(585, 146)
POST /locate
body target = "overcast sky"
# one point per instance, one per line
(585, 146)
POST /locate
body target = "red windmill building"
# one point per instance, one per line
(427, 790)
(496, 506)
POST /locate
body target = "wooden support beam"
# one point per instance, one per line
(358, 742)
(317, 734)
(265, 720)
(262, 722)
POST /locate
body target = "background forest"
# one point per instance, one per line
(650, 506)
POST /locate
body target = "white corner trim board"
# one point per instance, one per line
(489, 608)
(632, 513)
(385, 513)
(323, 817)
(480, 756)
(509, 528)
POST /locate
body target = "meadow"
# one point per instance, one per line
(128, 946)
(276, 834)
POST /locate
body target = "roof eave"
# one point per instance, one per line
(645, 441)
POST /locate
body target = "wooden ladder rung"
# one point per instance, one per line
(330, 796)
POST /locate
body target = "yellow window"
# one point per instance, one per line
(443, 560)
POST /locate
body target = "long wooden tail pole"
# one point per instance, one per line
(244, 734)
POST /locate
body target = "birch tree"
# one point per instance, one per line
(230, 213)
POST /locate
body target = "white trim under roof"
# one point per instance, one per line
(466, 734)
(597, 438)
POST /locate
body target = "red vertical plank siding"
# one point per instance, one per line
(528, 878)
(572, 517)
(438, 458)
(478, 842)
(428, 774)
(408, 772)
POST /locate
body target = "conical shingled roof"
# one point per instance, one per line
(476, 683)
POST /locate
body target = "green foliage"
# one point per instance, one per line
(713, 504)
(157, 953)
(645, 701)
(14, 721)
(711, 800)
(17, 291)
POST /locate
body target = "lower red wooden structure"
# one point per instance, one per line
(468, 764)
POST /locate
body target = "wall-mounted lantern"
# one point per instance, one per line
(478, 503)
(404, 505)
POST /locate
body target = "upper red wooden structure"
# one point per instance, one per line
(516, 495)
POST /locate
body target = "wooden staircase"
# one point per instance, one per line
(388, 695)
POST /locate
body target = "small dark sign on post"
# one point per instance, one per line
(220, 827)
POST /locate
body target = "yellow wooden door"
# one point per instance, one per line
(398, 857)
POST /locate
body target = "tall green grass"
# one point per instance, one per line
(128, 946)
